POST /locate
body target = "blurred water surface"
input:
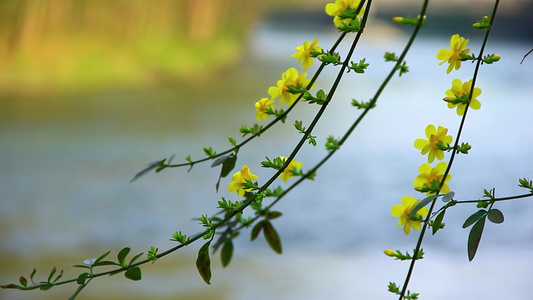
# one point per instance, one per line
(65, 166)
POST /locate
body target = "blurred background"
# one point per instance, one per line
(92, 91)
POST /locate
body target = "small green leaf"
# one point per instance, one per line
(227, 252)
(52, 274)
(438, 221)
(272, 237)
(23, 281)
(274, 215)
(421, 204)
(228, 165)
(495, 216)
(203, 263)
(135, 258)
(475, 237)
(33, 274)
(133, 273)
(95, 263)
(45, 286)
(122, 256)
(474, 217)
(58, 276)
(82, 278)
(257, 229)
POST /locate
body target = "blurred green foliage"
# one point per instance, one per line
(47, 45)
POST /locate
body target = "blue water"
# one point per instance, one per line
(65, 186)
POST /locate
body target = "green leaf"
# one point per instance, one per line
(227, 252)
(58, 276)
(438, 221)
(23, 281)
(272, 237)
(33, 274)
(228, 165)
(495, 216)
(257, 229)
(421, 204)
(274, 215)
(52, 274)
(45, 286)
(82, 278)
(133, 273)
(122, 256)
(95, 263)
(135, 258)
(474, 217)
(203, 263)
(475, 237)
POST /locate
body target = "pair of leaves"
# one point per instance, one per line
(478, 219)
(270, 233)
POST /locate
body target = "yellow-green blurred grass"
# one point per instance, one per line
(50, 45)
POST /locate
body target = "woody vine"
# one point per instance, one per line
(259, 196)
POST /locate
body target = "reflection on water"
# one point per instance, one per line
(65, 191)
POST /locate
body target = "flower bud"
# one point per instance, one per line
(390, 253)
(398, 20)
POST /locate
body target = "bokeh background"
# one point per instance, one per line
(91, 91)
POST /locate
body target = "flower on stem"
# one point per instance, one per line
(238, 179)
(459, 94)
(430, 146)
(335, 9)
(453, 55)
(290, 78)
(261, 108)
(402, 211)
(306, 52)
(430, 178)
(290, 169)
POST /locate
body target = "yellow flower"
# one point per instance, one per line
(430, 145)
(458, 96)
(431, 177)
(288, 78)
(238, 179)
(403, 211)
(287, 173)
(334, 9)
(261, 107)
(453, 55)
(303, 53)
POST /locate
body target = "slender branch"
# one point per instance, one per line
(463, 119)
